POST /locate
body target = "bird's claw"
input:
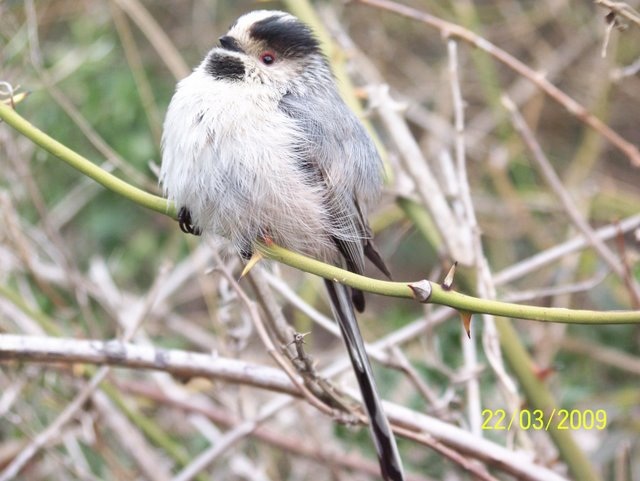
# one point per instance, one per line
(185, 222)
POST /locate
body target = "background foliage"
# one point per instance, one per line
(79, 262)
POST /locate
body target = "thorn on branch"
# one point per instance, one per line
(9, 94)
(466, 322)
(447, 283)
(543, 373)
(255, 258)
(421, 291)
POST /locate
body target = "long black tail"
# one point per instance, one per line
(390, 462)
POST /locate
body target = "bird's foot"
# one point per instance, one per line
(185, 222)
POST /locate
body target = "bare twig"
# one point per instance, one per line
(620, 8)
(14, 468)
(157, 37)
(275, 353)
(231, 438)
(559, 251)
(606, 355)
(556, 185)
(453, 230)
(151, 464)
(474, 402)
(122, 354)
(449, 29)
(291, 442)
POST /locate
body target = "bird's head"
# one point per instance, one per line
(268, 47)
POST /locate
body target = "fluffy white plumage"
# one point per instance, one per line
(225, 159)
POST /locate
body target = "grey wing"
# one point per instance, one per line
(343, 157)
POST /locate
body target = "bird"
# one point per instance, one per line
(257, 146)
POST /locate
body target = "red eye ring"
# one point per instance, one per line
(268, 57)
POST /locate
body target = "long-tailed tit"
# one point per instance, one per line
(259, 145)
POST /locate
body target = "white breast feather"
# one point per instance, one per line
(239, 175)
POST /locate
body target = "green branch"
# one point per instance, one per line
(439, 295)
(83, 164)
(436, 295)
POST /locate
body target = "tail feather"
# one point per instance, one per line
(385, 443)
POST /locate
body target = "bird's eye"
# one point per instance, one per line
(267, 57)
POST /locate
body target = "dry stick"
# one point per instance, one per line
(559, 251)
(522, 90)
(626, 268)
(449, 29)
(326, 323)
(486, 285)
(283, 330)
(570, 208)
(286, 442)
(130, 317)
(469, 349)
(268, 343)
(136, 67)
(157, 37)
(454, 233)
(19, 462)
(559, 290)
(472, 466)
(414, 377)
(42, 439)
(152, 465)
(117, 353)
(230, 438)
(14, 232)
(628, 71)
(605, 355)
(319, 391)
(621, 8)
(51, 350)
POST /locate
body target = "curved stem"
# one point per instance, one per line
(450, 298)
(84, 165)
(438, 295)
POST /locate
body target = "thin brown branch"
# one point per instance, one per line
(154, 467)
(576, 109)
(602, 354)
(621, 8)
(275, 353)
(556, 185)
(288, 442)
(157, 37)
(559, 251)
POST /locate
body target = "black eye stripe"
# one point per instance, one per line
(288, 37)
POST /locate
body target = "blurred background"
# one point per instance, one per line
(79, 262)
